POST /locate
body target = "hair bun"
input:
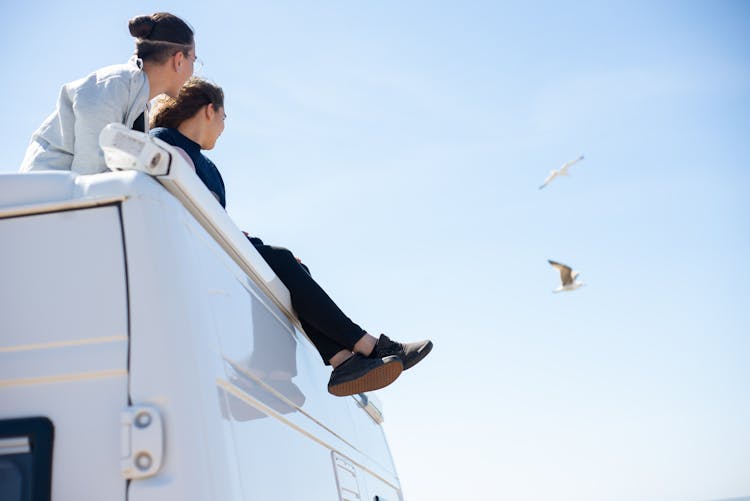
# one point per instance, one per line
(141, 26)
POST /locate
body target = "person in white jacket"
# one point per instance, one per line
(69, 138)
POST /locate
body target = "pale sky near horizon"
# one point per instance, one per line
(397, 147)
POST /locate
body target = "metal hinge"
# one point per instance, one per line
(142, 441)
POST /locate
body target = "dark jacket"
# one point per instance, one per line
(205, 168)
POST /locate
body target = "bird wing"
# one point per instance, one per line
(565, 271)
(552, 175)
(566, 165)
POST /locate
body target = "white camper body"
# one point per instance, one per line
(147, 352)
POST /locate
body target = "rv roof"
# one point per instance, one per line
(39, 192)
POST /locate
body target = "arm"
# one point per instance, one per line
(96, 103)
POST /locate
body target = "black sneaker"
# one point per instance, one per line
(409, 353)
(359, 374)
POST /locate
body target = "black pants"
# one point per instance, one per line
(324, 323)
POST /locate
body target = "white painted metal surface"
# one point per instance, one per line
(156, 299)
(63, 339)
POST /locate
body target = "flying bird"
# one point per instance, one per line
(567, 277)
(562, 171)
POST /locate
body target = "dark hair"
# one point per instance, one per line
(194, 95)
(160, 36)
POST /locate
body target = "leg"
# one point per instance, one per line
(374, 364)
(330, 330)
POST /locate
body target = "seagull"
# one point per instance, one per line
(567, 277)
(562, 171)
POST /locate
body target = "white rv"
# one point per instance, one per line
(147, 352)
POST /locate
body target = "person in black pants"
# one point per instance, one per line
(193, 121)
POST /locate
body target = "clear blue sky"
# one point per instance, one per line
(397, 148)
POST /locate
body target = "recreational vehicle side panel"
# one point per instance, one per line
(63, 340)
(174, 362)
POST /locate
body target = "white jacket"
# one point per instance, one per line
(69, 138)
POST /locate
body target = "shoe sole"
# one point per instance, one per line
(426, 349)
(377, 378)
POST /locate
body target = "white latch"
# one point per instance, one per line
(142, 441)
